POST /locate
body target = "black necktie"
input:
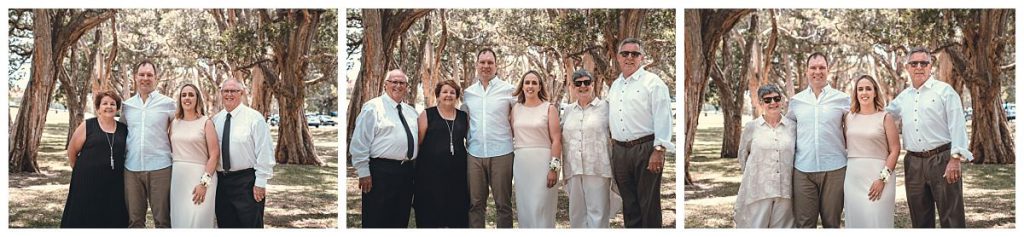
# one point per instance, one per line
(408, 134)
(225, 153)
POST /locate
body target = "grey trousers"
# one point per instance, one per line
(148, 189)
(640, 189)
(928, 190)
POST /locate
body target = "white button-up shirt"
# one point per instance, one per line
(819, 137)
(250, 144)
(766, 160)
(379, 133)
(149, 147)
(490, 134)
(932, 116)
(585, 144)
(640, 106)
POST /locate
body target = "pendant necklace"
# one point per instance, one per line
(451, 144)
(110, 144)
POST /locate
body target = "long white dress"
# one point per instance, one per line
(536, 204)
(189, 152)
(867, 148)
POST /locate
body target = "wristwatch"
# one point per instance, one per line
(959, 157)
(659, 148)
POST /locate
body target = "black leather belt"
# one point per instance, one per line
(236, 172)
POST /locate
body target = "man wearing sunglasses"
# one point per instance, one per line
(820, 163)
(383, 148)
(640, 119)
(935, 138)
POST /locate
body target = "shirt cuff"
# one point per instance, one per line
(963, 152)
(261, 182)
(362, 172)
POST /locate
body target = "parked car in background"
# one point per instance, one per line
(1010, 108)
(313, 121)
(274, 119)
(327, 120)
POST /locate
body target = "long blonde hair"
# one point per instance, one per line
(200, 105)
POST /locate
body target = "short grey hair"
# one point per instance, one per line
(632, 41)
(581, 73)
(919, 49)
(768, 89)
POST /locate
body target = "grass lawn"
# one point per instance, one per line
(989, 190)
(298, 196)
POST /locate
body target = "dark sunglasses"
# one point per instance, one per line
(768, 100)
(630, 54)
(582, 83)
(919, 63)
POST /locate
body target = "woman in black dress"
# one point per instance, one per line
(442, 191)
(96, 152)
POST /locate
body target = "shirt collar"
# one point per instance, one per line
(636, 75)
(236, 111)
(593, 103)
(782, 122)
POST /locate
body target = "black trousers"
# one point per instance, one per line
(389, 201)
(235, 206)
(640, 189)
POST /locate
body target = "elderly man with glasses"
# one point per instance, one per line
(935, 137)
(640, 120)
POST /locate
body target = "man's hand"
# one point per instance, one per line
(952, 174)
(657, 162)
(259, 193)
(365, 184)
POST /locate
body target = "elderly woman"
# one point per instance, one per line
(96, 153)
(538, 151)
(588, 170)
(766, 159)
(873, 146)
(442, 188)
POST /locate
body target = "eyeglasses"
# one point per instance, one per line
(230, 91)
(919, 63)
(768, 100)
(531, 83)
(630, 54)
(582, 83)
(397, 82)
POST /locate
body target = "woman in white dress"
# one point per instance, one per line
(538, 150)
(766, 151)
(873, 146)
(195, 153)
(588, 170)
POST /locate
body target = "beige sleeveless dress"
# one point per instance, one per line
(867, 150)
(189, 154)
(536, 204)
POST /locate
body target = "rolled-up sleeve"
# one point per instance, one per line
(957, 125)
(662, 108)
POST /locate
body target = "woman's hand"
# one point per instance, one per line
(875, 192)
(552, 178)
(199, 194)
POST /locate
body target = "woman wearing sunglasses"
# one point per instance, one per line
(588, 170)
(766, 159)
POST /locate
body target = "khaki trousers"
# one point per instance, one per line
(818, 194)
(148, 189)
(486, 175)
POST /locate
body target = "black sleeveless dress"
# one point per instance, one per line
(96, 196)
(442, 190)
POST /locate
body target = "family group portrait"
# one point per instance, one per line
(850, 118)
(173, 118)
(511, 118)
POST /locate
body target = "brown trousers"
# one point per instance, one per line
(148, 189)
(928, 190)
(818, 194)
(640, 189)
(485, 175)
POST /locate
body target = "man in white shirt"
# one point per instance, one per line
(819, 168)
(147, 178)
(383, 149)
(489, 101)
(935, 137)
(247, 160)
(640, 119)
